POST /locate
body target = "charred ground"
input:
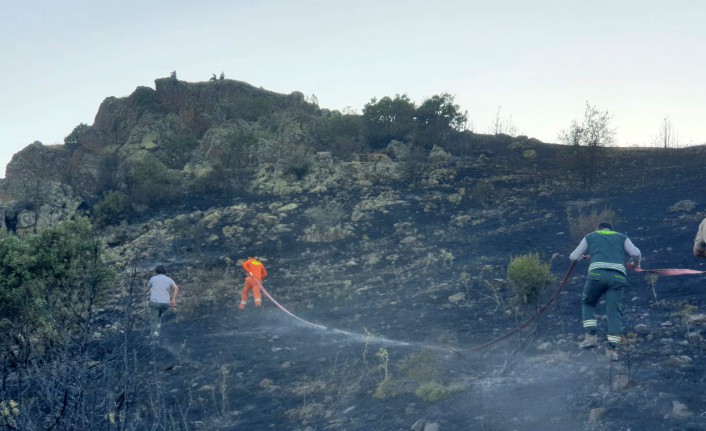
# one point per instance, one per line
(406, 293)
(390, 285)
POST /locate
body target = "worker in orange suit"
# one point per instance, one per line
(255, 272)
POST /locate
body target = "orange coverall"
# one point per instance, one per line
(255, 271)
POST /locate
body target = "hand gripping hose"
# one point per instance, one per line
(536, 315)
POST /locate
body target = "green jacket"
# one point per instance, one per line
(607, 250)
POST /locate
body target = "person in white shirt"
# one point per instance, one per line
(163, 294)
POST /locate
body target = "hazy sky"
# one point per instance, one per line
(539, 60)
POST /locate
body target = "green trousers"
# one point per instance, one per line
(612, 284)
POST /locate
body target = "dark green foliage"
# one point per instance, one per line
(112, 209)
(144, 99)
(108, 168)
(176, 151)
(15, 271)
(340, 134)
(149, 181)
(529, 278)
(219, 182)
(248, 107)
(432, 392)
(238, 150)
(437, 118)
(52, 285)
(388, 119)
(431, 123)
(75, 138)
(49, 284)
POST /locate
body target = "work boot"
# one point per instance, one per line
(611, 352)
(589, 341)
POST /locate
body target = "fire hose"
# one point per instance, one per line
(661, 271)
(666, 271)
(274, 301)
(537, 314)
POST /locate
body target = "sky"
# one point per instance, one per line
(533, 64)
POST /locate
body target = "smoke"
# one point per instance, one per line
(525, 393)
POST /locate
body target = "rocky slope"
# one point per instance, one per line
(403, 266)
(412, 282)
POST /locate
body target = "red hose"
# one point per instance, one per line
(284, 309)
(666, 271)
(536, 315)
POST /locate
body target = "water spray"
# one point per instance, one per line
(365, 337)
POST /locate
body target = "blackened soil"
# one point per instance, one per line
(384, 300)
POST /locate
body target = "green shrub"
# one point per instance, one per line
(385, 389)
(50, 284)
(529, 278)
(238, 150)
(530, 154)
(432, 392)
(422, 366)
(75, 138)
(177, 150)
(150, 182)
(112, 209)
(340, 134)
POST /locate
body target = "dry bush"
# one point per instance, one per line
(206, 290)
(326, 223)
(94, 377)
(485, 193)
(327, 215)
(584, 219)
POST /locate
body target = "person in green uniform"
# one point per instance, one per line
(607, 276)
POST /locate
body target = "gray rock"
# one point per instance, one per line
(457, 297)
(680, 410)
(287, 208)
(431, 426)
(595, 415)
(357, 215)
(697, 319)
(682, 206)
(641, 328)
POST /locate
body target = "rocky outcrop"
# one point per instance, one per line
(206, 104)
(34, 191)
